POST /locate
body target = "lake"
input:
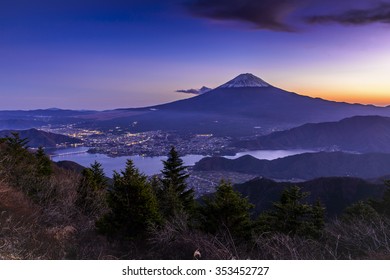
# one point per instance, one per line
(152, 165)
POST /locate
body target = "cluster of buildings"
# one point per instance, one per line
(117, 142)
(157, 143)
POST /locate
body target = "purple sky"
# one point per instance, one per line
(120, 53)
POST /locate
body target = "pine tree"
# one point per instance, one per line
(91, 189)
(19, 165)
(227, 209)
(132, 205)
(292, 215)
(44, 167)
(291, 211)
(360, 211)
(16, 149)
(316, 223)
(382, 206)
(174, 195)
(15, 143)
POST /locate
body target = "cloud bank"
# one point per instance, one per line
(285, 15)
(260, 14)
(377, 14)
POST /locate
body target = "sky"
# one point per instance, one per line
(106, 54)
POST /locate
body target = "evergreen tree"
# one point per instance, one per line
(91, 188)
(19, 165)
(382, 206)
(291, 211)
(292, 215)
(16, 145)
(361, 211)
(155, 183)
(43, 163)
(16, 149)
(226, 209)
(316, 223)
(132, 205)
(174, 195)
(100, 180)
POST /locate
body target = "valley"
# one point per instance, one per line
(257, 140)
(243, 115)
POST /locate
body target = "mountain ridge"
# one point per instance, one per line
(358, 133)
(335, 193)
(304, 166)
(39, 138)
(245, 110)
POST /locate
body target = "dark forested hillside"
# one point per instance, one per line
(304, 166)
(39, 138)
(336, 193)
(360, 134)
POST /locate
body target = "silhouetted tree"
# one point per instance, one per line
(16, 144)
(19, 165)
(44, 167)
(174, 196)
(361, 211)
(292, 215)
(383, 206)
(132, 205)
(226, 209)
(16, 149)
(91, 189)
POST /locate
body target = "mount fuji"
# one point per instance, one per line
(245, 105)
(245, 80)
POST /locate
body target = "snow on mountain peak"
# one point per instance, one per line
(245, 80)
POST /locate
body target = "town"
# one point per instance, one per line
(118, 142)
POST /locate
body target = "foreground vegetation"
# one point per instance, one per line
(47, 212)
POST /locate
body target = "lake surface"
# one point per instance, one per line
(151, 165)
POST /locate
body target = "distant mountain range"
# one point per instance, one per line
(335, 193)
(245, 105)
(304, 166)
(359, 134)
(41, 138)
(20, 119)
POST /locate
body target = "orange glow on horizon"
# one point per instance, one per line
(377, 98)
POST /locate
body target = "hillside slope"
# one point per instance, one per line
(335, 193)
(39, 138)
(359, 133)
(304, 166)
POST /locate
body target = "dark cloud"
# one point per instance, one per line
(261, 14)
(379, 13)
(195, 91)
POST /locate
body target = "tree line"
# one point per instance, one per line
(134, 204)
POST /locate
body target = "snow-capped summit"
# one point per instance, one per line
(245, 80)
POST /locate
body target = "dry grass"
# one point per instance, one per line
(177, 241)
(20, 235)
(358, 239)
(280, 246)
(50, 227)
